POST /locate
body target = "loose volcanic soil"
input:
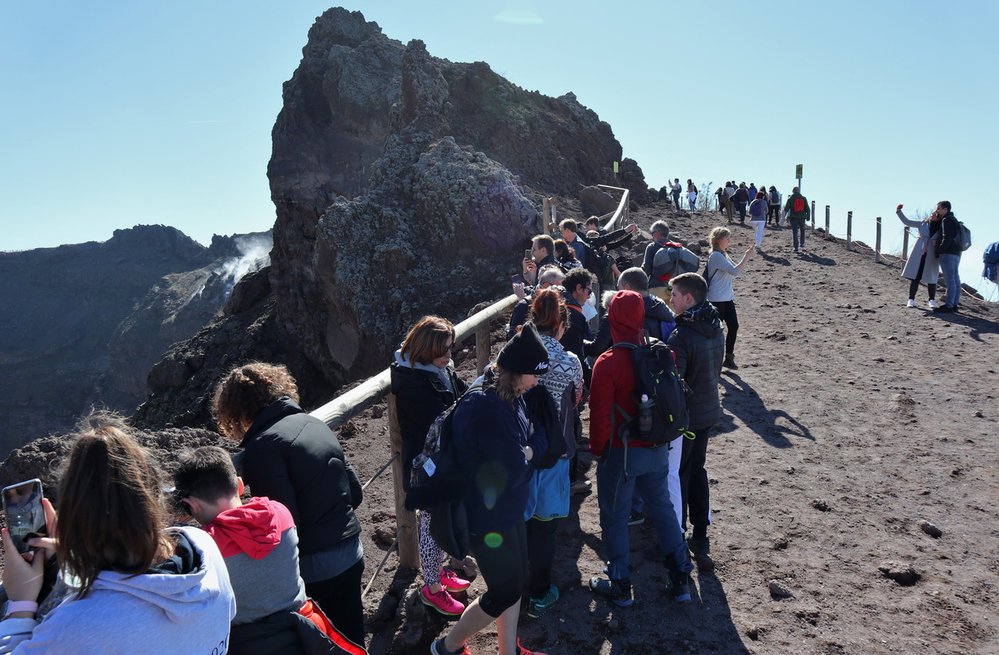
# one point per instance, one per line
(852, 476)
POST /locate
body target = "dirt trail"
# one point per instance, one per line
(851, 420)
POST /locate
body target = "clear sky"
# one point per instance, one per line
(116, 113)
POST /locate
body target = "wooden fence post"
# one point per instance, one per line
(827, 223)
(877, 244)
(813, 216)
(905, 243)
(405, 520)
(482, 348)
(849, 230)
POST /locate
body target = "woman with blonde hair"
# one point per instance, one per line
(720, 273)
(493, 436)
(130, 584)
(425, 384)
(295, 459)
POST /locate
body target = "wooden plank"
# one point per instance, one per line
(405, 520)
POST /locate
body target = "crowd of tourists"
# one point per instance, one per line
(280, 570)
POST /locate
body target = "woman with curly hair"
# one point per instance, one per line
(295, 459)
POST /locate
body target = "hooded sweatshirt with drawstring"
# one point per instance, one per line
(614, 376)
(182, 605)
(699, 344)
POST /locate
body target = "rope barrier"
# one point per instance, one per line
(379, 472)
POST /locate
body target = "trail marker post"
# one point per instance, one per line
(849, 231)
(877, 244)
(798, 170)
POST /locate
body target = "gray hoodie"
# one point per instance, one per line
(187, 611)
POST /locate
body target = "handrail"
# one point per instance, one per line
(348, 405)
(621, 213)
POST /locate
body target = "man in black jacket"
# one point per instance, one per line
(949, 249)
(699, 344)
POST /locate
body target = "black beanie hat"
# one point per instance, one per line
(525, 353)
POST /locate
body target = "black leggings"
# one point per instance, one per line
(726, 312)
(340, 600)
(502, 560)
(914, 284)
(540, 554)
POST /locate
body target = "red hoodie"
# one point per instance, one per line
(254, 528)
(614, 375)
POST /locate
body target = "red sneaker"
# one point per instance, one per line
(524, 651)
(442, 601)
(450, 581)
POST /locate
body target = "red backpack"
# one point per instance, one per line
(798, 206)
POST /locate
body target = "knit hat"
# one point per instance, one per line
(525, 353)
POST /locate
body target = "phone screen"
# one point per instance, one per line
(528, 255)
(22, 506)
(516, 279)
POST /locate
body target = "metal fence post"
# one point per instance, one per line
(827, 223)
(405, 520)
(877, 244)
(905, 243)
(849, 230)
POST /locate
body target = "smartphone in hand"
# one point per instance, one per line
(899, 208)
(23, 511)
(516, 279)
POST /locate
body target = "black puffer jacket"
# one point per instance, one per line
(295, 459)
(699, 344)
(420, 397)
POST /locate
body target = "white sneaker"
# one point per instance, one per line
(933, 304)
(912, 303)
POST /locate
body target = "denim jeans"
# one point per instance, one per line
(948, 266)
(647, 469)
(798, 228)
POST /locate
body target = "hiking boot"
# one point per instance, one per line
(617, 591)
(680, 587)
(912, 303)
(943, 309)
(442, 601)
(450, 581)
(579, 487)
(730, 362)
(538, 605)
(932, 303)
(636, 518)
(526, 651)
(437, 648)
(700, 549)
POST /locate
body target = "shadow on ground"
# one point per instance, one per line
(743, 402)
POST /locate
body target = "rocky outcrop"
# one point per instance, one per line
(82, 324)
(402, 184)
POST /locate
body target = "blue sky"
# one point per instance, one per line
(117, 113)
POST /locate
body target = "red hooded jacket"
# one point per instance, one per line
(614, 375)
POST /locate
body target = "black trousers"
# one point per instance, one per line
(502, 560)
(694, 483)
(914, 284)
(340, 599)
(540, 554)
(726, 312)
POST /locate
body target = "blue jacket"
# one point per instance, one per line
(991, 260)
(490, 435)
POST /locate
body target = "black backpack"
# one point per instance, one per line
(656, 377)
(437, 476)
(705, 275)
(543, 410)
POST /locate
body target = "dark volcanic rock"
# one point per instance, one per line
(371, 169)
(82, 324)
